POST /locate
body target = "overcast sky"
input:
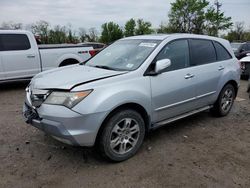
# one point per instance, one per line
(93, 13)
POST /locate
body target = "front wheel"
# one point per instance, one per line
(224, 102)
(122, 135)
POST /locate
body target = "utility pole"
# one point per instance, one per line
(218, 5)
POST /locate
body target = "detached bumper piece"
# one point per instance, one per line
(29, 114)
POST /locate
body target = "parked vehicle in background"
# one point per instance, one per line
(241, 49)
(235, 45)
(96, 45)
(245, 66)
(22, 58)
(132, 86)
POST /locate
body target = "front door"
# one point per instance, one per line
(19, 59)
(173, 91)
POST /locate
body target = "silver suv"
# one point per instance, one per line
(133, 86)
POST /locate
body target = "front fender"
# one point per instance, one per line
(106, 98)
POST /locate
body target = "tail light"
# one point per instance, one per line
(92, 52)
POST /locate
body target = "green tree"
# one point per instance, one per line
(57, 35)
(143, 27)
(130, 28)
(187, 16)
(165, 28)
(216, 21)
(111, 32)
(195, 16)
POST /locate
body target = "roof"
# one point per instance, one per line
(149, 37)
(164, 36)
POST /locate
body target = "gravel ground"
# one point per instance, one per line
(199, 151)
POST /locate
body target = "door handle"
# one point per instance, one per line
(31, 56)
(221, 68)
(188, 76)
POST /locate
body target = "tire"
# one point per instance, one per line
(224, 102)
(126, 130)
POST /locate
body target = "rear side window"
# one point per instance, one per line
(14, 42)
(222, 53)
(202, 52)
(178, 52)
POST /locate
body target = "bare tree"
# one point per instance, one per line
(239, 29)
(41, 28)
(92, 35)
(11, 25)
(82, 34)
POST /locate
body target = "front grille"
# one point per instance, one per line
(37, 97)
(37, 100)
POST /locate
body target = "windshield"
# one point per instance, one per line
(125, 55)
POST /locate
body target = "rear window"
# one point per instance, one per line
(222, 53)
(11, 42)
(202, 52)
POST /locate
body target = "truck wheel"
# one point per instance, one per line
(224, 102)
(122, 135)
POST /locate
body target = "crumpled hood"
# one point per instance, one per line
(67, 77)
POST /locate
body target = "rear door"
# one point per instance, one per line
(19, 58)
(207, 70)
(173, 91)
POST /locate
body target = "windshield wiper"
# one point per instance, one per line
(104, 67)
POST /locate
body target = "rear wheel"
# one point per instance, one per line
(122, 135)
(225, 101)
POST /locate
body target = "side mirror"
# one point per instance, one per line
(161, 65)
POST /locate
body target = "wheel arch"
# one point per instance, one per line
(133, 106)
(234, 84)
(68, 61)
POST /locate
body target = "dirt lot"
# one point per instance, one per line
(200, 151)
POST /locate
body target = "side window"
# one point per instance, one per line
(248, 46)
(243, 48)
(222, 53)
(202, 52)
(14, 42)
(178, 52)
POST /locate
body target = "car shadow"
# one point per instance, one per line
(90, 155)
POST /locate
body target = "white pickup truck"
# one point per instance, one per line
(21, 58)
